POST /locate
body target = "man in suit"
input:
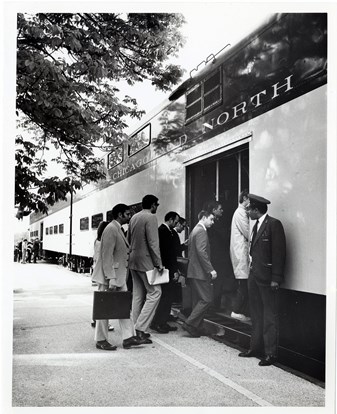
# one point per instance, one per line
(169, 260)
(144, 255)
(110, 273)
(200, 273)
(178, 228)
(219, 244)
(268, 253)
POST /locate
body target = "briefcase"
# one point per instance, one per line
(182, 265)
(111, 305)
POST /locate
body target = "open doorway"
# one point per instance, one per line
(220, 178)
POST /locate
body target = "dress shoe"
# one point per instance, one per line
(110, 328)
(247, 354)
(142, 337)
(159, 328)
(169, 327)
(132, 341)
(146, 334)
(93, 324)
(105, 346)
(240, 317)
(191, 330)
(268, 360)
(172, 318)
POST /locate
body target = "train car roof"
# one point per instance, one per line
(224, 54)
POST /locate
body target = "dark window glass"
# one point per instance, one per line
(109, 215)
(51, 230)
(115, 157)
(55, 229)
(84, 223)
(193, 95)
(212, 98)
(212, 82)
(47, 230)
(193, 110)
(61, 228)
(95, 220)
(204, 96)
(140, 140)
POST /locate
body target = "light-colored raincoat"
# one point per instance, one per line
(239, 245)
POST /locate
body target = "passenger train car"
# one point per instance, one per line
(252, 116)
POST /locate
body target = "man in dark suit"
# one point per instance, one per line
(267, 252)
(169, 260)
(200, 274)
(144, 255)
(178, 228)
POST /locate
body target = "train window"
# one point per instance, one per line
(194, 102)
(47, 230)
(115, 157)
(55, 229)
(109, 216)
(140, 140)
(84, 223)
(95, 220)
(204, 96)
(61, 228)
(212, 90)
(51, 230)
(135, 208)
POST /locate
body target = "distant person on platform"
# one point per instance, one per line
(144, 255)
(36, 249)
(29, 252)
(169, 260)
(200, 274)
(239, 252)
(268, 253)
(24, 251)
(110, 273)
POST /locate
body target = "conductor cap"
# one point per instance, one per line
(258, 199)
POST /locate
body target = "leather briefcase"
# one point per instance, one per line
(182, 265)
(111, 305)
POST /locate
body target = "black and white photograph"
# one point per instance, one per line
(168, 206)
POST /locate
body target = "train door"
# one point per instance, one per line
(220, 178)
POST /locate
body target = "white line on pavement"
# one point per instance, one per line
(258, 400)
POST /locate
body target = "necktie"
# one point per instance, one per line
(254, 234)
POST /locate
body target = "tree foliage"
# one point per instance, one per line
(68, 69)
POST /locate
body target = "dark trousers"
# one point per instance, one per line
(202, 296)
(241, 301)
(264, 316)
(164, 308)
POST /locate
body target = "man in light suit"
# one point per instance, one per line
(200, 273)
(144, 255)
(110, 273)
(268, 253)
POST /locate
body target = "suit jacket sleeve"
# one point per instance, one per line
(201, 243)
(167, 248)
(152, 237)
(278, 251)
(107, 249)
